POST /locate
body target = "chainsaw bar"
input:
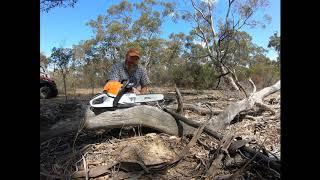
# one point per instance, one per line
(147, 98)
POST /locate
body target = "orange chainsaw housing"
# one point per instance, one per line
(112, 87)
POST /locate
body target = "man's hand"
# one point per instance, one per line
(144, 90)
(135, 90)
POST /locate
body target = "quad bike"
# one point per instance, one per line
(48, 87)
(118, 95)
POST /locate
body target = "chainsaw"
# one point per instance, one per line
(117, 95)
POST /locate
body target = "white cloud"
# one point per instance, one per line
(272, 55)
(203, 44)
(172, 14)
(210, 1)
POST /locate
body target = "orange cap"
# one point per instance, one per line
(133, 52)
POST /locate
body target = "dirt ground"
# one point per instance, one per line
(64, 156)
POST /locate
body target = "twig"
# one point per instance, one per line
(253, 118)
(253, 86)
(267, 151)
(49, 175)
(85, 167)
(121, 130)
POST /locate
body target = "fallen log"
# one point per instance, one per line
(145, 116)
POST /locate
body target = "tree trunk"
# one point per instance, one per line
(74, 87)
(228, 79)
(65, 86)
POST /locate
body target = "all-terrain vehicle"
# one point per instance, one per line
(48, 87)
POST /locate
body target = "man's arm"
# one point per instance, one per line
(145, 82)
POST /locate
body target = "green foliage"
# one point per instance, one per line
(274, 42)
(265, 74)
(47, 5)
(198, 76)
(203, 76)
(61, 58)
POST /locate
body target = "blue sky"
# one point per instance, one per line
(63, 27)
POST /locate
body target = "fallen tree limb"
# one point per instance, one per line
(200, 110)
(145, 116)
(224, 118)
(193, 124)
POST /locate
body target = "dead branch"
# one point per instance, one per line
(252, 118)
(85, 167)
(94, 172)
(179, 99)
(233, 109)
(200, 110)
(219, 78)
(221, 151)
(254, 88)
(193, 124)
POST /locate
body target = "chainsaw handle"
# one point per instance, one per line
(119, 95)
(127, 84)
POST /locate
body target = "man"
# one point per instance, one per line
(129, 69)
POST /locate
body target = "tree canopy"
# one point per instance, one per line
(198, 59)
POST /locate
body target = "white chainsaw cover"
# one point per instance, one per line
(128, 98)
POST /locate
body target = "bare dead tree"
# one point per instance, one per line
(217, 42)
